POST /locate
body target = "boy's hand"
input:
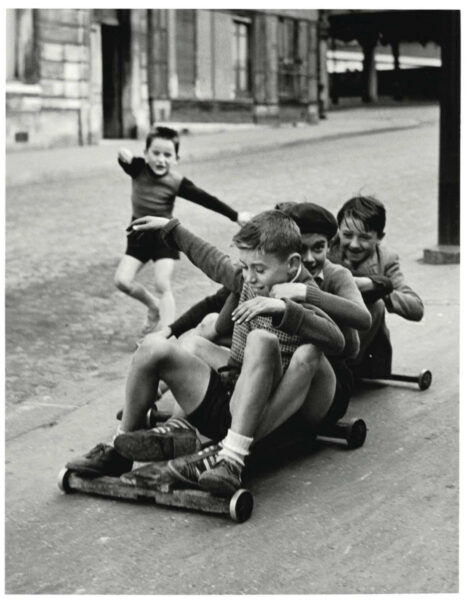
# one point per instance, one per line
(261, 305)
(125, 155)
(243, 218)
(365, 284)
(292, 291)
(147, 223)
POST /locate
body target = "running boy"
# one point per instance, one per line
(276, 356)
(376, 271)
(154, 187)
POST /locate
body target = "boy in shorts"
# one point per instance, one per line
(275, 358)
(155, 186)
(377, 273)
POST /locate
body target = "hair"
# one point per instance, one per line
(270, 232)
(367, 209)
(166, 133)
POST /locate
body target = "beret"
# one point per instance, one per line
(311, 218)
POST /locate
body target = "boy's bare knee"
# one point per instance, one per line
(207, 325)
(306, 357)
(261, 341)
(162, 287)
(122, 283)
(153, 350)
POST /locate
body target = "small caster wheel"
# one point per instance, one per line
(356, 433)
(241, 506)
(63, 480)
(424, 379)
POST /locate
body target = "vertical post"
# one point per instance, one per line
(369, 72)
(396, 70)
(448, 249)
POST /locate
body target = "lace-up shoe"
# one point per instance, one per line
(223, 479)
(173, 438)
(101, 460)
(188, 469)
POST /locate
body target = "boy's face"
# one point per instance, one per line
(314, 252)
(263, 270)
(161, 156)
(356, 243)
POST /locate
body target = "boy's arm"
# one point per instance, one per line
(214, 263)
(344, 304)
(403, 300)
(313, 325)
(194, 315)
(190, 191)
(132, 168)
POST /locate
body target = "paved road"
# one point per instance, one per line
(380, 519)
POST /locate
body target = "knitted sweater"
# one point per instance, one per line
(155, 196)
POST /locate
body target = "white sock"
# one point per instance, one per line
(235, 447)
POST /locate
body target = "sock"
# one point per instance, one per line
(235, 447)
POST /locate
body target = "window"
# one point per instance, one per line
(241, 58)
(21, 61)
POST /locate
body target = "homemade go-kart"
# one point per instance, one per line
(154, 481)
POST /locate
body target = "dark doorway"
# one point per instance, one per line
(115, 51)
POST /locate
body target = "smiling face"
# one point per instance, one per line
(356, 243)
(314, 252)
(262, 270)
(161, 156)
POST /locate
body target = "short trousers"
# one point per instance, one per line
(212, 417)
(148, 245)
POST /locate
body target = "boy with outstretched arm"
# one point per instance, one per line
(155, 185)
(377, 273)
(275, 358)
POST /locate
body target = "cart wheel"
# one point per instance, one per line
(62, 480)
(424, 379)
(241, 506)
(356, 433)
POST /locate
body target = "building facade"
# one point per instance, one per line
(75, 76)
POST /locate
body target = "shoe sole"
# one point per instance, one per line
(163, 448)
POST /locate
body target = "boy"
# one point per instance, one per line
(332, 289)
(276, 356)
(154, 187)
(376, 271)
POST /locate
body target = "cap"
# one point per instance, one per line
(311, 218)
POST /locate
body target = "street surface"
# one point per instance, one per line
(381, 519)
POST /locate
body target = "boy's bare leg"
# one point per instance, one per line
(124, 279)
(186, 375)
(308, 386)
(163, 269)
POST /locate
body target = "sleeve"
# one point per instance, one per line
(134, 168)
(403, 300)
(345, 304)
(214, 263)
(382, 287)
(313, 325)
(191, 192)
(194, 315)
